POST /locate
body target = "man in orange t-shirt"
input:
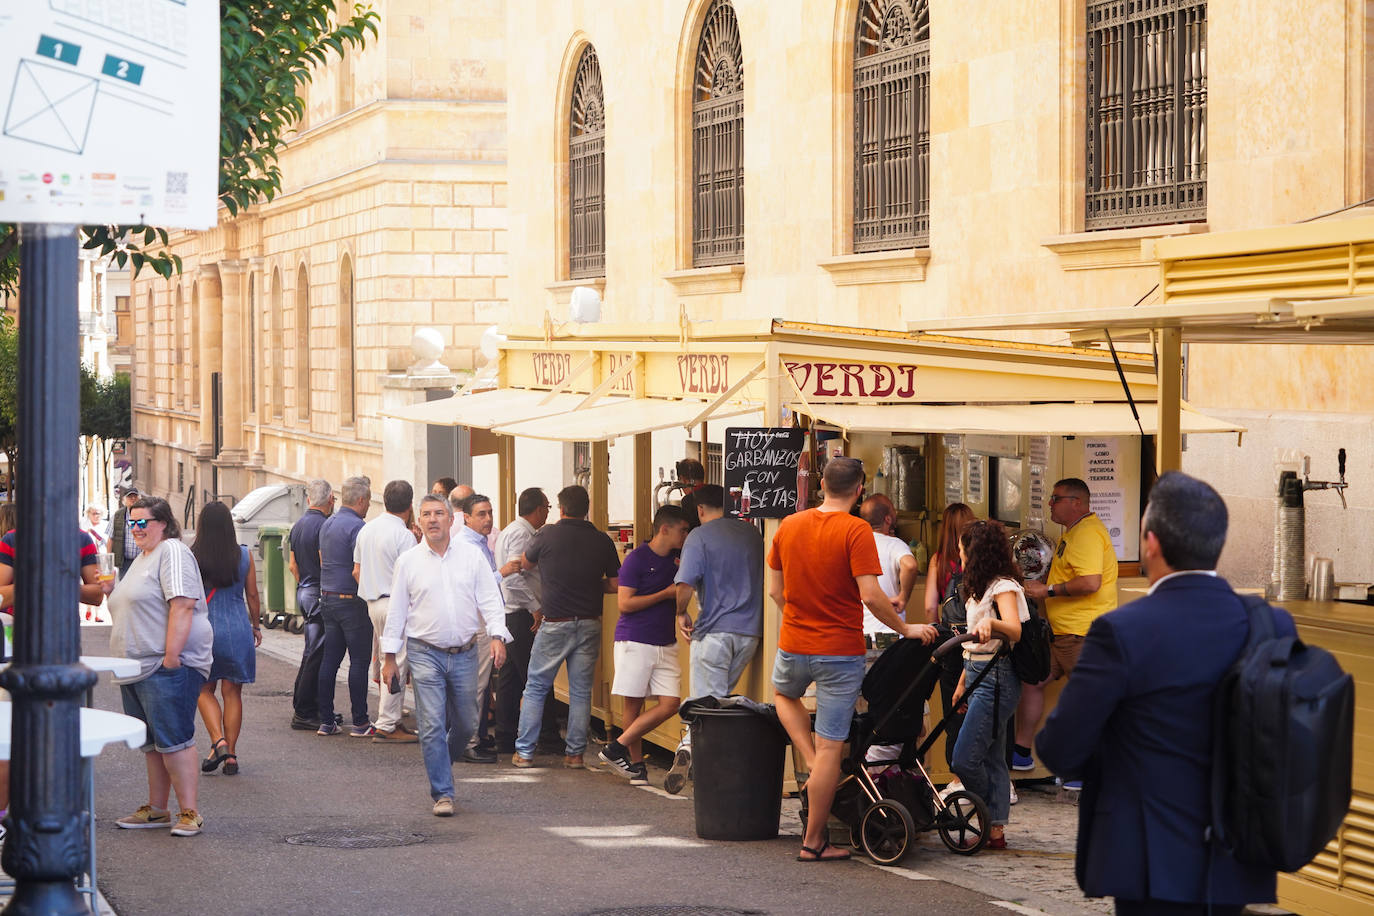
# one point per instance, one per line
(822, 565)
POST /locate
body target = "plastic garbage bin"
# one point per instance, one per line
(274, 609)
(737, 757)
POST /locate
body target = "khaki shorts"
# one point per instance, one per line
(1064, 652)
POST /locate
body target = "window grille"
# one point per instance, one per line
(715, 463)
(587, 172)
(891, 125)
(718, 141)
(1147, 112)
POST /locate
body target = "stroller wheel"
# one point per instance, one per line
(963, 825)
(886, 832)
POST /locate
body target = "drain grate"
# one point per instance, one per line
(674, 910)
(355, 839)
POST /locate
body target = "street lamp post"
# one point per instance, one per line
(45, 848)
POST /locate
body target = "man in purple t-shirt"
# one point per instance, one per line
(646, 642)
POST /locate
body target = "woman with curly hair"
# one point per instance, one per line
(227, 571)
(996, 606)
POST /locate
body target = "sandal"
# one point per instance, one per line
(231, 765)
(211, 763)
(818, 855)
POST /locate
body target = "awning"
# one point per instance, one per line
(1100, 419)
(485, 409)
(612, 418)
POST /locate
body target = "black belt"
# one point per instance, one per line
(450, 650)
(325, 594)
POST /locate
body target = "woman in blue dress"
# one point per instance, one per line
(231, 587)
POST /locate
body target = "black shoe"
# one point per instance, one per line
(615, 754)
(302, 724)
(639, 774)
(487, 744)
(479, 755)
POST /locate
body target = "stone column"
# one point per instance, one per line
(209, 302)
(405, 444)
(233, 404)
(257, 457)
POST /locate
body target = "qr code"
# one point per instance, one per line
(176, 182)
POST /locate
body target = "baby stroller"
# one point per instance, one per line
(884, 803)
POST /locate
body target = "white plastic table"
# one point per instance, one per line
(99, 728)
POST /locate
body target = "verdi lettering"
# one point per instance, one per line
(704, 373)
(551, 368)
(858, 381)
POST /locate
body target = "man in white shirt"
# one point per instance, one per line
(380, 542)
(476, 530)
(899, 566)
(443, 595)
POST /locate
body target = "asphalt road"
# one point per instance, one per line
(544, 841)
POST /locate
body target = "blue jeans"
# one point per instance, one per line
(577, 642)
(980, 755)
(445, 685)
(718, 660)
(305, 696)
(838, 679)
(166, 702)
(347, 627)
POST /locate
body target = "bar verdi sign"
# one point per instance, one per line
(761, 471)
(852, 381)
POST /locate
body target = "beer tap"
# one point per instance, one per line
(1337, 485)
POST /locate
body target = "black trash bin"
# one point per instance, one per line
(737, 757)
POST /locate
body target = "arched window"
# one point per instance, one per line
(178, 371)
(277, 315)
(891, 125)
(587, 171)
(302, 344)
(1147, 113)
(195, 345)
(718, 141)
(252, 347)
(347, 357)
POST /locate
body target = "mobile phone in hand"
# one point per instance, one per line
(395, 685)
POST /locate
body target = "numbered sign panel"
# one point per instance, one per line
(110, 112)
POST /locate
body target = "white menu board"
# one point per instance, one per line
(1103, 474)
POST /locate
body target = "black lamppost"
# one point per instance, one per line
(45, 848)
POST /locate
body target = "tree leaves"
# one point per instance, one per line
(269, 52)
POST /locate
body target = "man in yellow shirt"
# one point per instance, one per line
(1081, 586)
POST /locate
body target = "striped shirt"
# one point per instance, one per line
(7, 553)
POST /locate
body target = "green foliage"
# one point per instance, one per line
(105, 410)
(268, 52)
(9, 392)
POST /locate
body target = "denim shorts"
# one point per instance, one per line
(837, 678)
(166, 702)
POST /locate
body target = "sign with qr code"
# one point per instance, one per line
(109, 112)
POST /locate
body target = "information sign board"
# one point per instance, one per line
(761, 471)
(109, 112)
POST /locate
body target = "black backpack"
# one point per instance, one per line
(1030, 657)
(1284, 719)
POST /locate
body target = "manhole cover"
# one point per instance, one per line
(355, 839)
(675, 910)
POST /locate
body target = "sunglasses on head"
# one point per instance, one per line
(140, 523)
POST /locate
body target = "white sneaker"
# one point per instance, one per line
(1014, 797)
(954, 786)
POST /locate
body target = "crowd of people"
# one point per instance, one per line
(478, 623)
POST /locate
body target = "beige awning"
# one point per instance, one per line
(612, 418)
(1101, 419)
(485, 409)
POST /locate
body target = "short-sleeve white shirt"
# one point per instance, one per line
(987, 607)
(890, 553)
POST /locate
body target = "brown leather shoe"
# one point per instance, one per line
(523, 763)
(574, 762)
(394, 737)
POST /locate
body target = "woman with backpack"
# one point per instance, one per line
(942, 586)
(995, 606)
(231, 584)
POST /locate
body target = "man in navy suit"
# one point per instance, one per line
(1134, 723)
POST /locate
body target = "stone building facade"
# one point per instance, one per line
(876, 162)
(266, 360)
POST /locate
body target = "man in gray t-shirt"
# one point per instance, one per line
(139, 608)
(722, 564)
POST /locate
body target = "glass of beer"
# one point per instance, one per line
(105, 566)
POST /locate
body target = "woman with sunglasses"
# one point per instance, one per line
(226, 568)
(996, 605)
(162, 622)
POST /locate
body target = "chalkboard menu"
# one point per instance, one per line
(761, 471)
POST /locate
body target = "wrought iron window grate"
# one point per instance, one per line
(718, 141)
(587, 172)
(891, 125)
(1147, 112)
